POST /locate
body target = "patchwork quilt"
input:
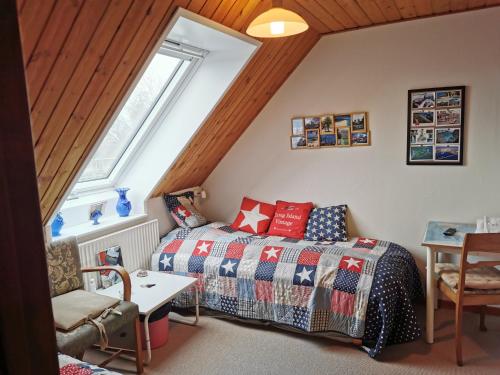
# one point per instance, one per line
(313, 286)
(72, 366)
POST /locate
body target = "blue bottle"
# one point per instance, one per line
(57, 225)
(123, 206)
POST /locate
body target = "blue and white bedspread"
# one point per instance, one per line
(363, 288)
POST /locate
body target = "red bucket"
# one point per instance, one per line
(158, 333)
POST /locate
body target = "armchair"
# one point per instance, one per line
(65, 276)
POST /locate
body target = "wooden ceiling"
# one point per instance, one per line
(81, 57)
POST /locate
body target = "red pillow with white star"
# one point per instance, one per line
(254, 216)
(290, 219)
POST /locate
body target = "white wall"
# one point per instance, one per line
(371, 70)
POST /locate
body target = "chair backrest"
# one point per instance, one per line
(64, 268)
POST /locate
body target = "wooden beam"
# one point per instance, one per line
(27, 327)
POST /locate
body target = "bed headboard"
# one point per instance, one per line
(156, 209)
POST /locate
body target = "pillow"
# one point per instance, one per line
(290, 219)
(254, 216)
(327, 224)
(112, 256)
(181, 207)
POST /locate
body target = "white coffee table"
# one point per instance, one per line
(165, 288)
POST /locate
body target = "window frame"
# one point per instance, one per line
(149, 123)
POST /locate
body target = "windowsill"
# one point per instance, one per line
(108, 224)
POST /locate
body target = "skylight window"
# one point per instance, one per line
(160, 84)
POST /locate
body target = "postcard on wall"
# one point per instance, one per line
(298, 126)
(359, 122)
(312, 138)
(435, 127)
(342, 121)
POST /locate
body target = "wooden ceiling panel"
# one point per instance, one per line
(33, 16)
(81, 57)
(372, 10)
(60, 125)
(74, 48)
(46, 51)
(406, 8)
(355, 11)
(423, 7)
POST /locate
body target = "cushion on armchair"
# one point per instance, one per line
(63, 263)
(72, 309)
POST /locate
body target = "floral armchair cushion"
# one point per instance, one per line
(63, 263)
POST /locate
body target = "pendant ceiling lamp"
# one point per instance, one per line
(277, 22)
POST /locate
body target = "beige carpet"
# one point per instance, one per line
(222, 347)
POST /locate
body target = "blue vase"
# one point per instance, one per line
(57, 225)
(95, 215)
(123, 206)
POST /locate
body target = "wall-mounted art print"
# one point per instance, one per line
(343, 136)
(298, 126)
(436, 126)
(358, 122)
(298, 142)
(342, 120)
(312, 138)
(327, 140)
(360, 139)
(330, 130)
(312, 122)
(326, 124)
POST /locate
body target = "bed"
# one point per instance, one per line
(72, 366)
(362, 289)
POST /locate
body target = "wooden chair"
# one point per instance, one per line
(471, 284)
(65, 276)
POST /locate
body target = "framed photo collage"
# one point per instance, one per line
(330, 130)
(436, 126)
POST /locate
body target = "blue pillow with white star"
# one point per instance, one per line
(327, 224)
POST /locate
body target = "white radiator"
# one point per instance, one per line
(137, 243)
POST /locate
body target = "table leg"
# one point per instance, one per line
(197, 317)
(197, 307)
(148, 340)
(431, 291)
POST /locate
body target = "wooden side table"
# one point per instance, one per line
(436, 242)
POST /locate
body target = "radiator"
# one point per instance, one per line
(137, 243)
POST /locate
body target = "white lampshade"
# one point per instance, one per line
(277, 22)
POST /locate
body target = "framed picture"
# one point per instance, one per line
(435, 126)
(448, 117)
(326, 124)
(342, 120)
(298, 126)
(422, 117)
(360, 138)
(448, 136)
(343, 136)
(421, 153)
(447, 153)
(449, 98)
(297, 142)
(423, 99)
(422, 136)
(358, 122)
(312, 138)
(327, 140)
(312, 122)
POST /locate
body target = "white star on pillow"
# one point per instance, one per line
(253, 218)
